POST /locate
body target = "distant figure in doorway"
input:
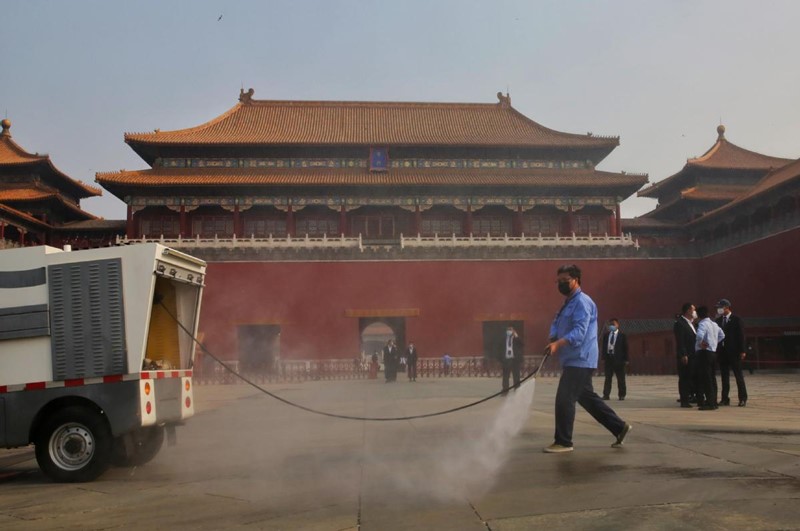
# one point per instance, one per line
(615, 354)
(390, 360)
(685, 335)
(511, 357)
(411, 362)
(373, 366)
(731, 353)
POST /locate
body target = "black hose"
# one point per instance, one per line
(336, 415)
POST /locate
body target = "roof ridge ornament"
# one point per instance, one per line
(504, 101)
(6, 123)
(246, 97)
(720, 132)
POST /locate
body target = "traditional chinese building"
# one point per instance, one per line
(375, 169)
(41, 205)
(330, 224)
(722, 174)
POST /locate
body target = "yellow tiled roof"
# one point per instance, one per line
(372, 123)
(362, 176)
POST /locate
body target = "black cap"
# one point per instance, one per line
(723, 303)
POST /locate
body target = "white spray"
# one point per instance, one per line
(466, 469)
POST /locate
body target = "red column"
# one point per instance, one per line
(182, 228)
(612, 225)
(290, 222)
(237, 229)
(2, 229)
(417, 221)
(343, 221)
(570, 221)
(517, 225)
(469, 219)
(619, 221)
(22, 237)
(130, 229)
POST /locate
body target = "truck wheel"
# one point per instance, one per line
(73, 445)
(147, 443)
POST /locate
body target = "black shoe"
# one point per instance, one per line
(606, 398)
(724, 402)
(742, 403)
(707, 408)
(622, 398)
(686, 404)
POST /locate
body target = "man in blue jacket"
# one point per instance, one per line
(573, 336)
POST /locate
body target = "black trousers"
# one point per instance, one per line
(618, 369)
(412, 370)
(511, 368)
(726, 364)
(685, 383)
(575, 385)
(705, 378)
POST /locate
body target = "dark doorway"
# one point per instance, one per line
(494, 336)
(259, 348)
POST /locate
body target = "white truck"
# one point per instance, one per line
(95, 353)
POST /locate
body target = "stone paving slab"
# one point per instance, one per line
(248, 461)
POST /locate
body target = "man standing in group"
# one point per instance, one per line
(731, 353)
(573, 336)
(390, 359)
(709, 335)
(615, 355)
(685, 336)
(411, 360)
(511, 357)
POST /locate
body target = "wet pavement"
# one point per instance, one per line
(248, 461)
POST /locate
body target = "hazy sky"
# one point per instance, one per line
(75, 76)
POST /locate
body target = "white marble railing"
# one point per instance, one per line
(418, 241)
(234, 242)
(519, 241)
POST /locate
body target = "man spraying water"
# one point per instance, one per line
(573, 336)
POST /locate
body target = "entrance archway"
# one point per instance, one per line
(376, 331)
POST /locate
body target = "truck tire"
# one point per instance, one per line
(74, 445)
(147, 443)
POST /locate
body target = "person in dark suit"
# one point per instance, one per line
(390, 360)
(511, 356)
(614, 347)
(411, 361)
(731, 353)
(685, 335)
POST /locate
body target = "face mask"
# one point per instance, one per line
(612, 328)
(720, 311)
(694, 315)
(563, 287)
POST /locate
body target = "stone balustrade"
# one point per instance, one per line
(436, 241)
(518, 241)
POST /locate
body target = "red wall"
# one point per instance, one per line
(309, 299)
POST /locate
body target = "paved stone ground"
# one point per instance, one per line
(248, 461)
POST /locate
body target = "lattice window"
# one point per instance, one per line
(317, 227)
(210, 226)
(494, 225)
(442, 226)
(262, 228)
(544, 225)
(156, 226)
(596, 225)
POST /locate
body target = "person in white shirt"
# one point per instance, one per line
(709, 335)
